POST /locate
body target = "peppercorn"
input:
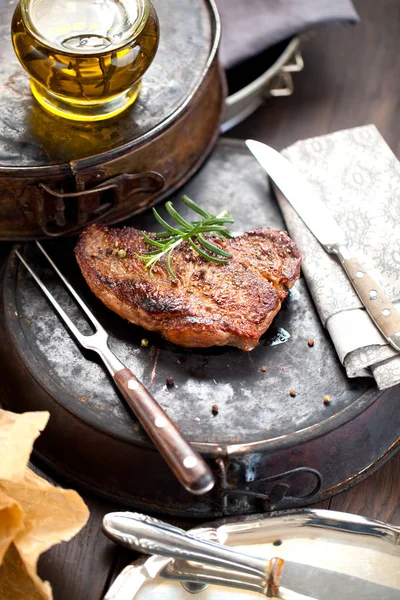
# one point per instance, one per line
(327, 400)
(310, 343)
(263, 369)
(170, 382)
(292, 393)
(122, 253)
(215, 409)
(144, 343)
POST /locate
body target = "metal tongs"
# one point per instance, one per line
(187, 465)
(197, 562)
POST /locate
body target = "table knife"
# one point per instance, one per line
(323, 226)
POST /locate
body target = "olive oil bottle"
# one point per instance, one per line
(85, 58)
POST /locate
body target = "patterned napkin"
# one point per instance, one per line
(358, 176)
(251, 26)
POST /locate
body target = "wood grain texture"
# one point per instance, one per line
(377, 497)
(350, 79)
(374, 298)
(85, 562)
(80, 569)
(186, 463)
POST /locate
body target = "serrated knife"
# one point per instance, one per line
(323, 226)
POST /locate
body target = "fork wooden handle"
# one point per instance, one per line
(187, 464)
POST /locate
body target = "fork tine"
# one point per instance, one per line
(71, 290)
(53, 301)
(186, 463)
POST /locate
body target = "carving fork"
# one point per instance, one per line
(187, 465)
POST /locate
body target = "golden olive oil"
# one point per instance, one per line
(85, 57)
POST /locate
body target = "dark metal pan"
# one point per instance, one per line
(266, 448)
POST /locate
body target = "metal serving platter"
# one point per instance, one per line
(325, 540)
(267, 449)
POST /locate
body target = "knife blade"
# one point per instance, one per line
(311, 209)
(308, 581)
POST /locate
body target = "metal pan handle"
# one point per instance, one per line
(60, 213)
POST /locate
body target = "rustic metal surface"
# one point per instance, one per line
(33, 138)
(260, 430)
(170, 130)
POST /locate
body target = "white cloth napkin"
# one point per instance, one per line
(358, 177)
(251, 26)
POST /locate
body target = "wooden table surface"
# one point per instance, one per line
(351, 78)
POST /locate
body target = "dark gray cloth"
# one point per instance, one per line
(251, 26)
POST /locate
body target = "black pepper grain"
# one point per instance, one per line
(170, 382)
(215, 409)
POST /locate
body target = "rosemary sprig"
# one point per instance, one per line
(195, 232)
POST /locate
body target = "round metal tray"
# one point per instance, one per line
(342, 554)
(267, 448)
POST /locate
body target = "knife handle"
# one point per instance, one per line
(381, 310)
(187, 465)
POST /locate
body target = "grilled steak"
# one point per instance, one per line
(206, 304)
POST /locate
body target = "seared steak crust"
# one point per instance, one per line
(207, 304)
